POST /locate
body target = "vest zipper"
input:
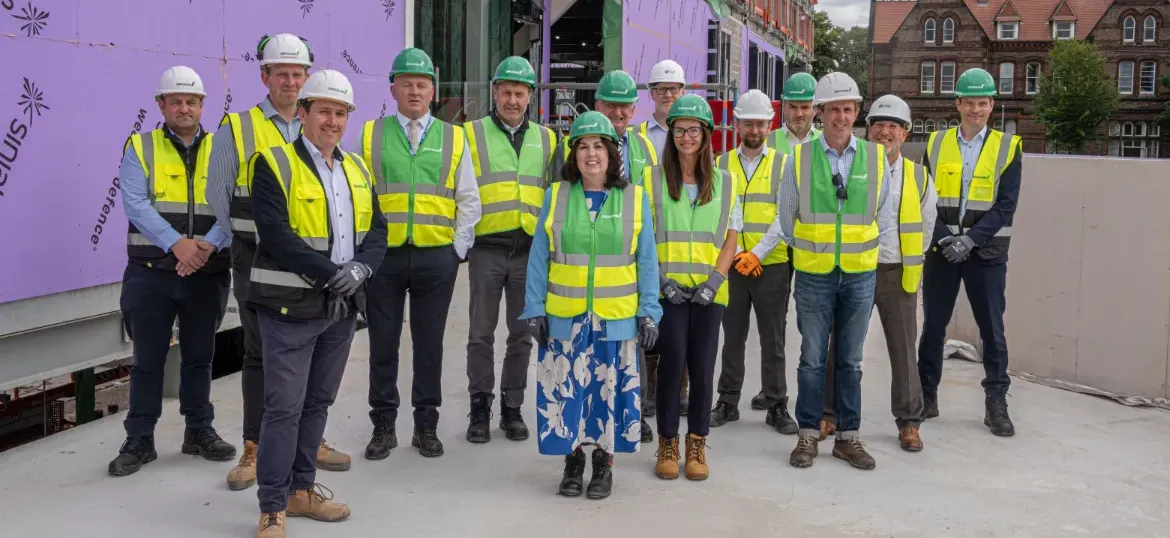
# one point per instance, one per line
(190, 193)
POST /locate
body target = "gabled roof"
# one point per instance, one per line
(888, 17)
(1064, 12)
(1008, 13)
(1036, 16)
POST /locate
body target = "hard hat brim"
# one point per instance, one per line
(621, 101)
(900, 121)
(959, 95)
(412, 72)
(517, 80)
(350, 106)
(285, 62)
(856, 99)
(755, 116)
(161, 93)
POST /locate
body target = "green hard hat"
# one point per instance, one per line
(592, 123)
(799, 87)
(691, 106)
(412, 61)
(515, 69)
(617, 87)
(975, 82)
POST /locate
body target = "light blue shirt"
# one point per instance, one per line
(657, 134)
(136, 204)
(536, 286)
(970, 149)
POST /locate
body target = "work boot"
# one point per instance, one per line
(828, 427)
(723, 413)
(426, 440)
(573, 480)
(479, 430)
(329, 459)
(135, 452)
(696, 457)
(649, 404)
(601, 483)
(647, 432)
(997, 417)
(383, 440)
(908, 436)
(929, 404)
(853, 451)
(313, 504)
(512, 422)
(667, 466)
(243, 476)
(271, 525)
(759, 403)
(806, 449)
(205, 442)
(779, 419)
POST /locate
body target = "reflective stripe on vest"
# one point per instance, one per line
(593, 263)
(415, 191)
(946, 167)
(830, 233)
(910, 227)
(179, 198)
(758, 198)
(251, 132)
(689, 236)
(511, 187)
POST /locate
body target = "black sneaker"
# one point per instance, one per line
(601, 483)
(135, 452)
(997, 417)
(479, 429)
(779, 418)
(929, 404)
(426, 440)
(512, 422)
(205, 442)
(723, 413)
(382, 441)
(573, 480)
(647, 432)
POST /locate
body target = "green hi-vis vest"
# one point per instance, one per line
(511, 187)
(758, 196)
(690, 236)
(251, 132)
(778, 139)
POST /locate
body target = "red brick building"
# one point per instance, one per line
(920, 47)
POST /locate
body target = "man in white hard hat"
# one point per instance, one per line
(176, 269)
(833, 208)
(667, 79)
(899, 274)
(761, 277)
(321, 236)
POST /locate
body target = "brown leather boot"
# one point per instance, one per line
(243, 476)
(911, 442)
(271, 525)
(667, 466)
(853, 451)
(313, 504)
(696, 457)
(329, 459)
(827, 428)
(806, 449)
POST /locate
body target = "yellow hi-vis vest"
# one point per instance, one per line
(415, 191)
(758, 196)
(831, 233)
(511, 187)
(946, 167)
(910, 226)
(690, 236)
(593, 263)
(251, 132)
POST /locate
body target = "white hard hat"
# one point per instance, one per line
(889, 107)
(754, 105)
(667, 71)
(180, 79)
(836, 86)
(284, 49)
(328, 84)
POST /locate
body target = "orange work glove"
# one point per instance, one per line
(748, 264)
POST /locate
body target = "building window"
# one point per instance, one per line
(955, 124)
(1032, 79)
(1008, 30)
(1125, 78)
(1150, 30)
(1128, 29)
(928, 31)
(1148, 78)
(1133, 140)
(1063, 29)
(917, 126)
(930, 126)
(927, 85)
(1007, 73)
(946, 78)
(949, 30)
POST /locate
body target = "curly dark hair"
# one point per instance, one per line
(613, 173)
(672, 169)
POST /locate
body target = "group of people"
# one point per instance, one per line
(619, 250)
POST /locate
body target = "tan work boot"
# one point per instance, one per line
(827, 428)
(911, 442)
(271, 525)
(805, 451)
(667, 466)
(696, 457)
(243, 476)
(853, 451)
(313, 504)
(329, 459)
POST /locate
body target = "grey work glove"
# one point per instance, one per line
(538, 328)
(647, 332)
(337, 307)
(958, 248)
(349, 277)
(705, 293)
(673, 291)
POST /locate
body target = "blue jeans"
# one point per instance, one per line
(844, 301)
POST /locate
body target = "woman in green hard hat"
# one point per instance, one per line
(591, 299)
(696, 222)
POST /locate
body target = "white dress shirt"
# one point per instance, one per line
(890, 240)
(339, 201)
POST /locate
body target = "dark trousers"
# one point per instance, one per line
(985, 283)
(898, 311)
(688, 336)
(428, 275)
(151, 300)
(493, 272)
(252, 370)
(304, 361)
(767, 294)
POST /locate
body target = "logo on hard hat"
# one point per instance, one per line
(691, 108)
(622, 91)
(418, 64)
(590, 126)
(844, 90)
(290, 54)
(191, 84)
(513, 72)
(977, 86)
(343, 92)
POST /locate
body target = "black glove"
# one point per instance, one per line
(673, 291)
(538, 328)
(705, 293)
(349, 277)
(338, 307)
(958, 248)
(647, 332)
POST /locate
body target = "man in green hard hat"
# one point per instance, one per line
(798, 114)
(977, 172)
(426, 187)
(511, 157)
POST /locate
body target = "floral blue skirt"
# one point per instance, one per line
(588, 393)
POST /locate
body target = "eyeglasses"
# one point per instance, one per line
(842, 194)
(663, 92)
(692, 132)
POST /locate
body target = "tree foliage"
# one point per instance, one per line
(1164, 119)
(826, 45)
(854, 51)
(1077, 95)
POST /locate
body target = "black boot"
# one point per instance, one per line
(779, 418)
(205, 442)
(647, 432)
(602, 481)
(383, 440)
(759, 402)
(573, 481)
(929, 404)
(723, 413)
(135, 452)
(426, 440)
(997, 416)
(479, 430)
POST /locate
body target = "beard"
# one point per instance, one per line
(753, 142)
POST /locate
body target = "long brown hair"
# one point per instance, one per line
(672, 168)
(613, 172)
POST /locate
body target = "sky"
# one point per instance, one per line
(846, 13)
